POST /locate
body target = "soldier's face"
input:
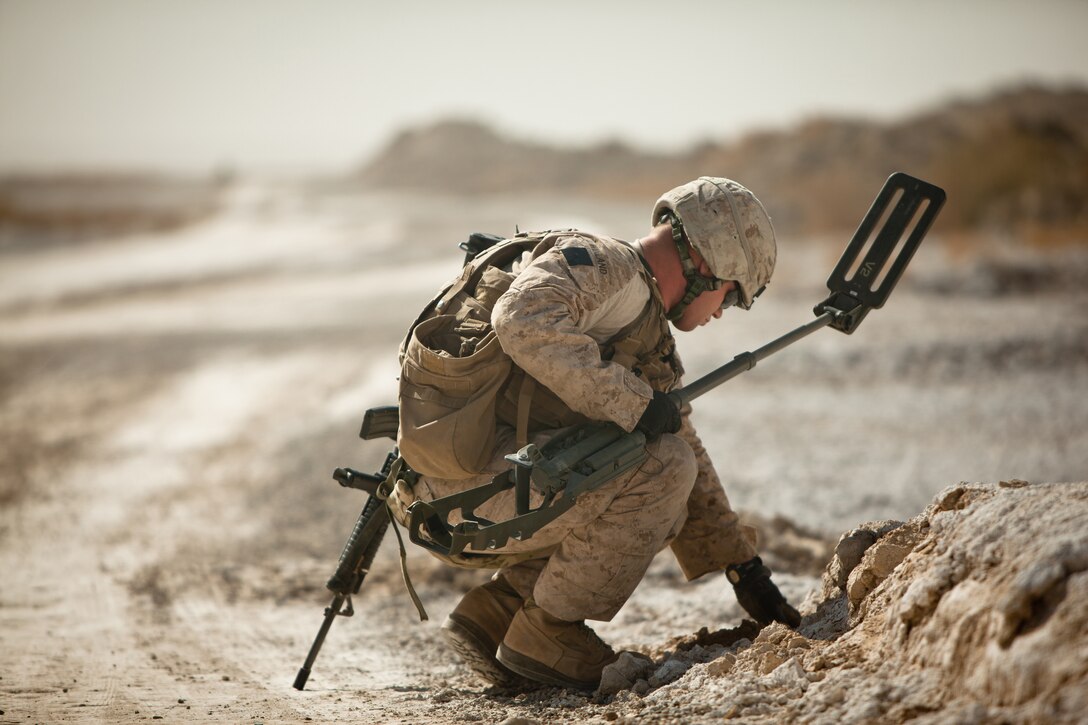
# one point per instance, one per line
(708, 305)
(703, 309)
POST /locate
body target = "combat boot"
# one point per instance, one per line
(554, 651)
(478, 624)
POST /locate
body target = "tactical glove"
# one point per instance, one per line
(758, 594)
(660, 416)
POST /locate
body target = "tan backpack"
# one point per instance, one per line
(453, 368)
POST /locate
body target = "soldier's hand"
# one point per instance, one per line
(758, 594)
(661, 416)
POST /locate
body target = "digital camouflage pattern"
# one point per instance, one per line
(562, 309)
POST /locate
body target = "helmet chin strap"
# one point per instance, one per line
(696, 283)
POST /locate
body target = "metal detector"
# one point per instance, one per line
(892, 230)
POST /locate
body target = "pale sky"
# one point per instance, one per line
(190, 85)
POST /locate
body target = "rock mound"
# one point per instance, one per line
(973, 611)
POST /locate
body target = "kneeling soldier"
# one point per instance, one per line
(585, 320)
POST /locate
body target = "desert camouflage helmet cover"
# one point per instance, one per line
(730, 228)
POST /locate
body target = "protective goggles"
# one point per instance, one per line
(732, 297)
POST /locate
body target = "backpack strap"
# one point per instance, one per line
(498, 255)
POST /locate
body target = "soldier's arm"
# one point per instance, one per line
(537, 323)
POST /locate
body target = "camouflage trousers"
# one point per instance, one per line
(586, 563)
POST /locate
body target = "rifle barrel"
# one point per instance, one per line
(330, 614)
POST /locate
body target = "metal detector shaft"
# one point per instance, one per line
(747, 360)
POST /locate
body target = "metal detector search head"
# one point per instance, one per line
(881, 248)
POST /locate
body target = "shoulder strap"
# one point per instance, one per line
(498, 255)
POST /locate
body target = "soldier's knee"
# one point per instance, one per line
(678, 465)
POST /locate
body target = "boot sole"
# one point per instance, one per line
(474, 649)
(539, 672)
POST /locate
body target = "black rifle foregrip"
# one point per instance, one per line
(361, 546)
(371, 551)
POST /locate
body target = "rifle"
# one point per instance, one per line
(592, 454)
(366, 536)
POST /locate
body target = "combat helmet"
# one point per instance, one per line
(729, 227)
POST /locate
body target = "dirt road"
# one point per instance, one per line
(172, 406)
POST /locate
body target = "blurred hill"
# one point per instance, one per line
(1015, 162)
(42, 210)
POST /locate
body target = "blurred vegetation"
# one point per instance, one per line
(1013, 163)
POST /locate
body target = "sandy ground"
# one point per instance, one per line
(173, 405)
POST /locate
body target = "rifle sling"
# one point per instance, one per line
(383, 492)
